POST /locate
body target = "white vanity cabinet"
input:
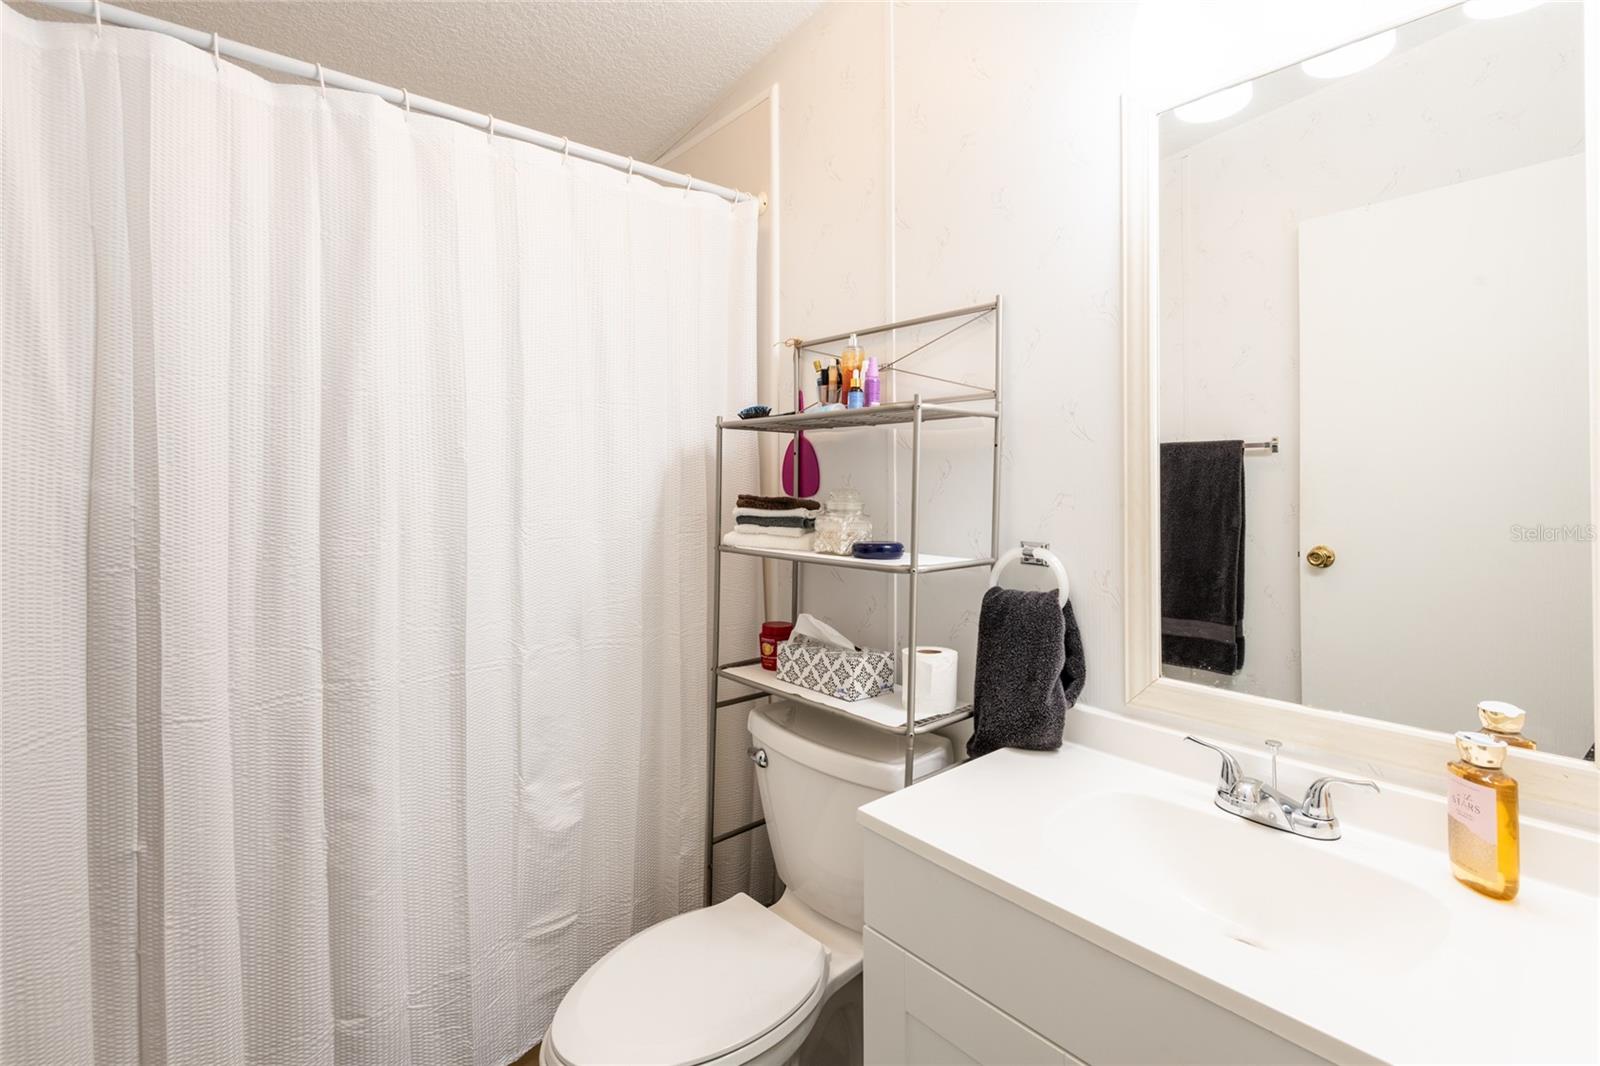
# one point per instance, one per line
(914, 1013)
(1078, 906)
(957, 974)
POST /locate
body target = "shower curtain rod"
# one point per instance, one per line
(315, 72)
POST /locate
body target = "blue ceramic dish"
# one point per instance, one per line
(879, 549)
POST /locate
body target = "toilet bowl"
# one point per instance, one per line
(739, 984)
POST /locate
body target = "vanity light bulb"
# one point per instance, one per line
(1352, 57)
(1496, 9)
(1218, 105)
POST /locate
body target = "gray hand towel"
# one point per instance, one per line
(1030, 669)
(1202, 555)
(777, 522)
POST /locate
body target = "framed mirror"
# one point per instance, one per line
(1360, 341)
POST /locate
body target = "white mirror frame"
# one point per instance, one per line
(1558, 786)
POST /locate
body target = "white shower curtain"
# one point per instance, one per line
(355, 470)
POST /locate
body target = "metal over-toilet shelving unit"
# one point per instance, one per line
(883, 712)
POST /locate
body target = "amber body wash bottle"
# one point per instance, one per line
(1504, 721)
(1484, 851)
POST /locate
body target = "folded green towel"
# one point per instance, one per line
(775, 503)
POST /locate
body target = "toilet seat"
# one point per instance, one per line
(717, 985)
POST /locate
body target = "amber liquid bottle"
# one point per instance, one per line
(1482, 801)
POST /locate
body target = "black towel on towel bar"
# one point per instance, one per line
(1202, 555)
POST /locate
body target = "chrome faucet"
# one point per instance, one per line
(1258, 801)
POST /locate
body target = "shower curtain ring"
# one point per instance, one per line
(565, 145)
(688, 185)
(216, 50)
(490, 128)
(630, 169)
(322, 83)
(405, 101)
(97, 19)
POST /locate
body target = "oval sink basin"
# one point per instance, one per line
(1258, 886)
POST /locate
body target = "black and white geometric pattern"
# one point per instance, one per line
(856, 674)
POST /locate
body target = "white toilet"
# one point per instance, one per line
(739, 983)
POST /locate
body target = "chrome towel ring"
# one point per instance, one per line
(1034, 553)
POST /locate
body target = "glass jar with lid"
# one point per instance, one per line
(843, 521)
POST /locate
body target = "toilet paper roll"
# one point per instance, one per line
(936, 680)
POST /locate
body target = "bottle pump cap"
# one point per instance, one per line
(1481, 749)
(1501, 717)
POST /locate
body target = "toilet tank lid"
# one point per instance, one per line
(838, 747)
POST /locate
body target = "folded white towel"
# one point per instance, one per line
(739, 538)
(793, 512)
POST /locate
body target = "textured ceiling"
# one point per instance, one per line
(627, 77)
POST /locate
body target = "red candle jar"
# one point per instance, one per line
(773, 634)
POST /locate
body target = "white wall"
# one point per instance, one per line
(833, 253)
(1003, 139)
(1480, 99)
(1007, 126)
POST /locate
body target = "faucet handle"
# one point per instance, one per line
(1230, 766)
(1318, 805)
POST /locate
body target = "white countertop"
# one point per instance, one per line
(1429, 972)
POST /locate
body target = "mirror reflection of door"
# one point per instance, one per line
(1444, 453)
(1378, 257)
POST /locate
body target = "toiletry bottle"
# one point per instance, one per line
(850, 361)
(1482, 802)
(854, 398)
(1504, 721)
(833, 383)
(872, 384)
(822, 381)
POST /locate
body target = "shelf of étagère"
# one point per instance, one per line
(883, 712)
(886, 414)
(926, 563)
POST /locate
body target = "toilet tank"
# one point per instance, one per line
(820, 769)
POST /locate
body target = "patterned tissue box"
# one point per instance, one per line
(846, 674)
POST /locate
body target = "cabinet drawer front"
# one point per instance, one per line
(1079, 996)
(916, 1015)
